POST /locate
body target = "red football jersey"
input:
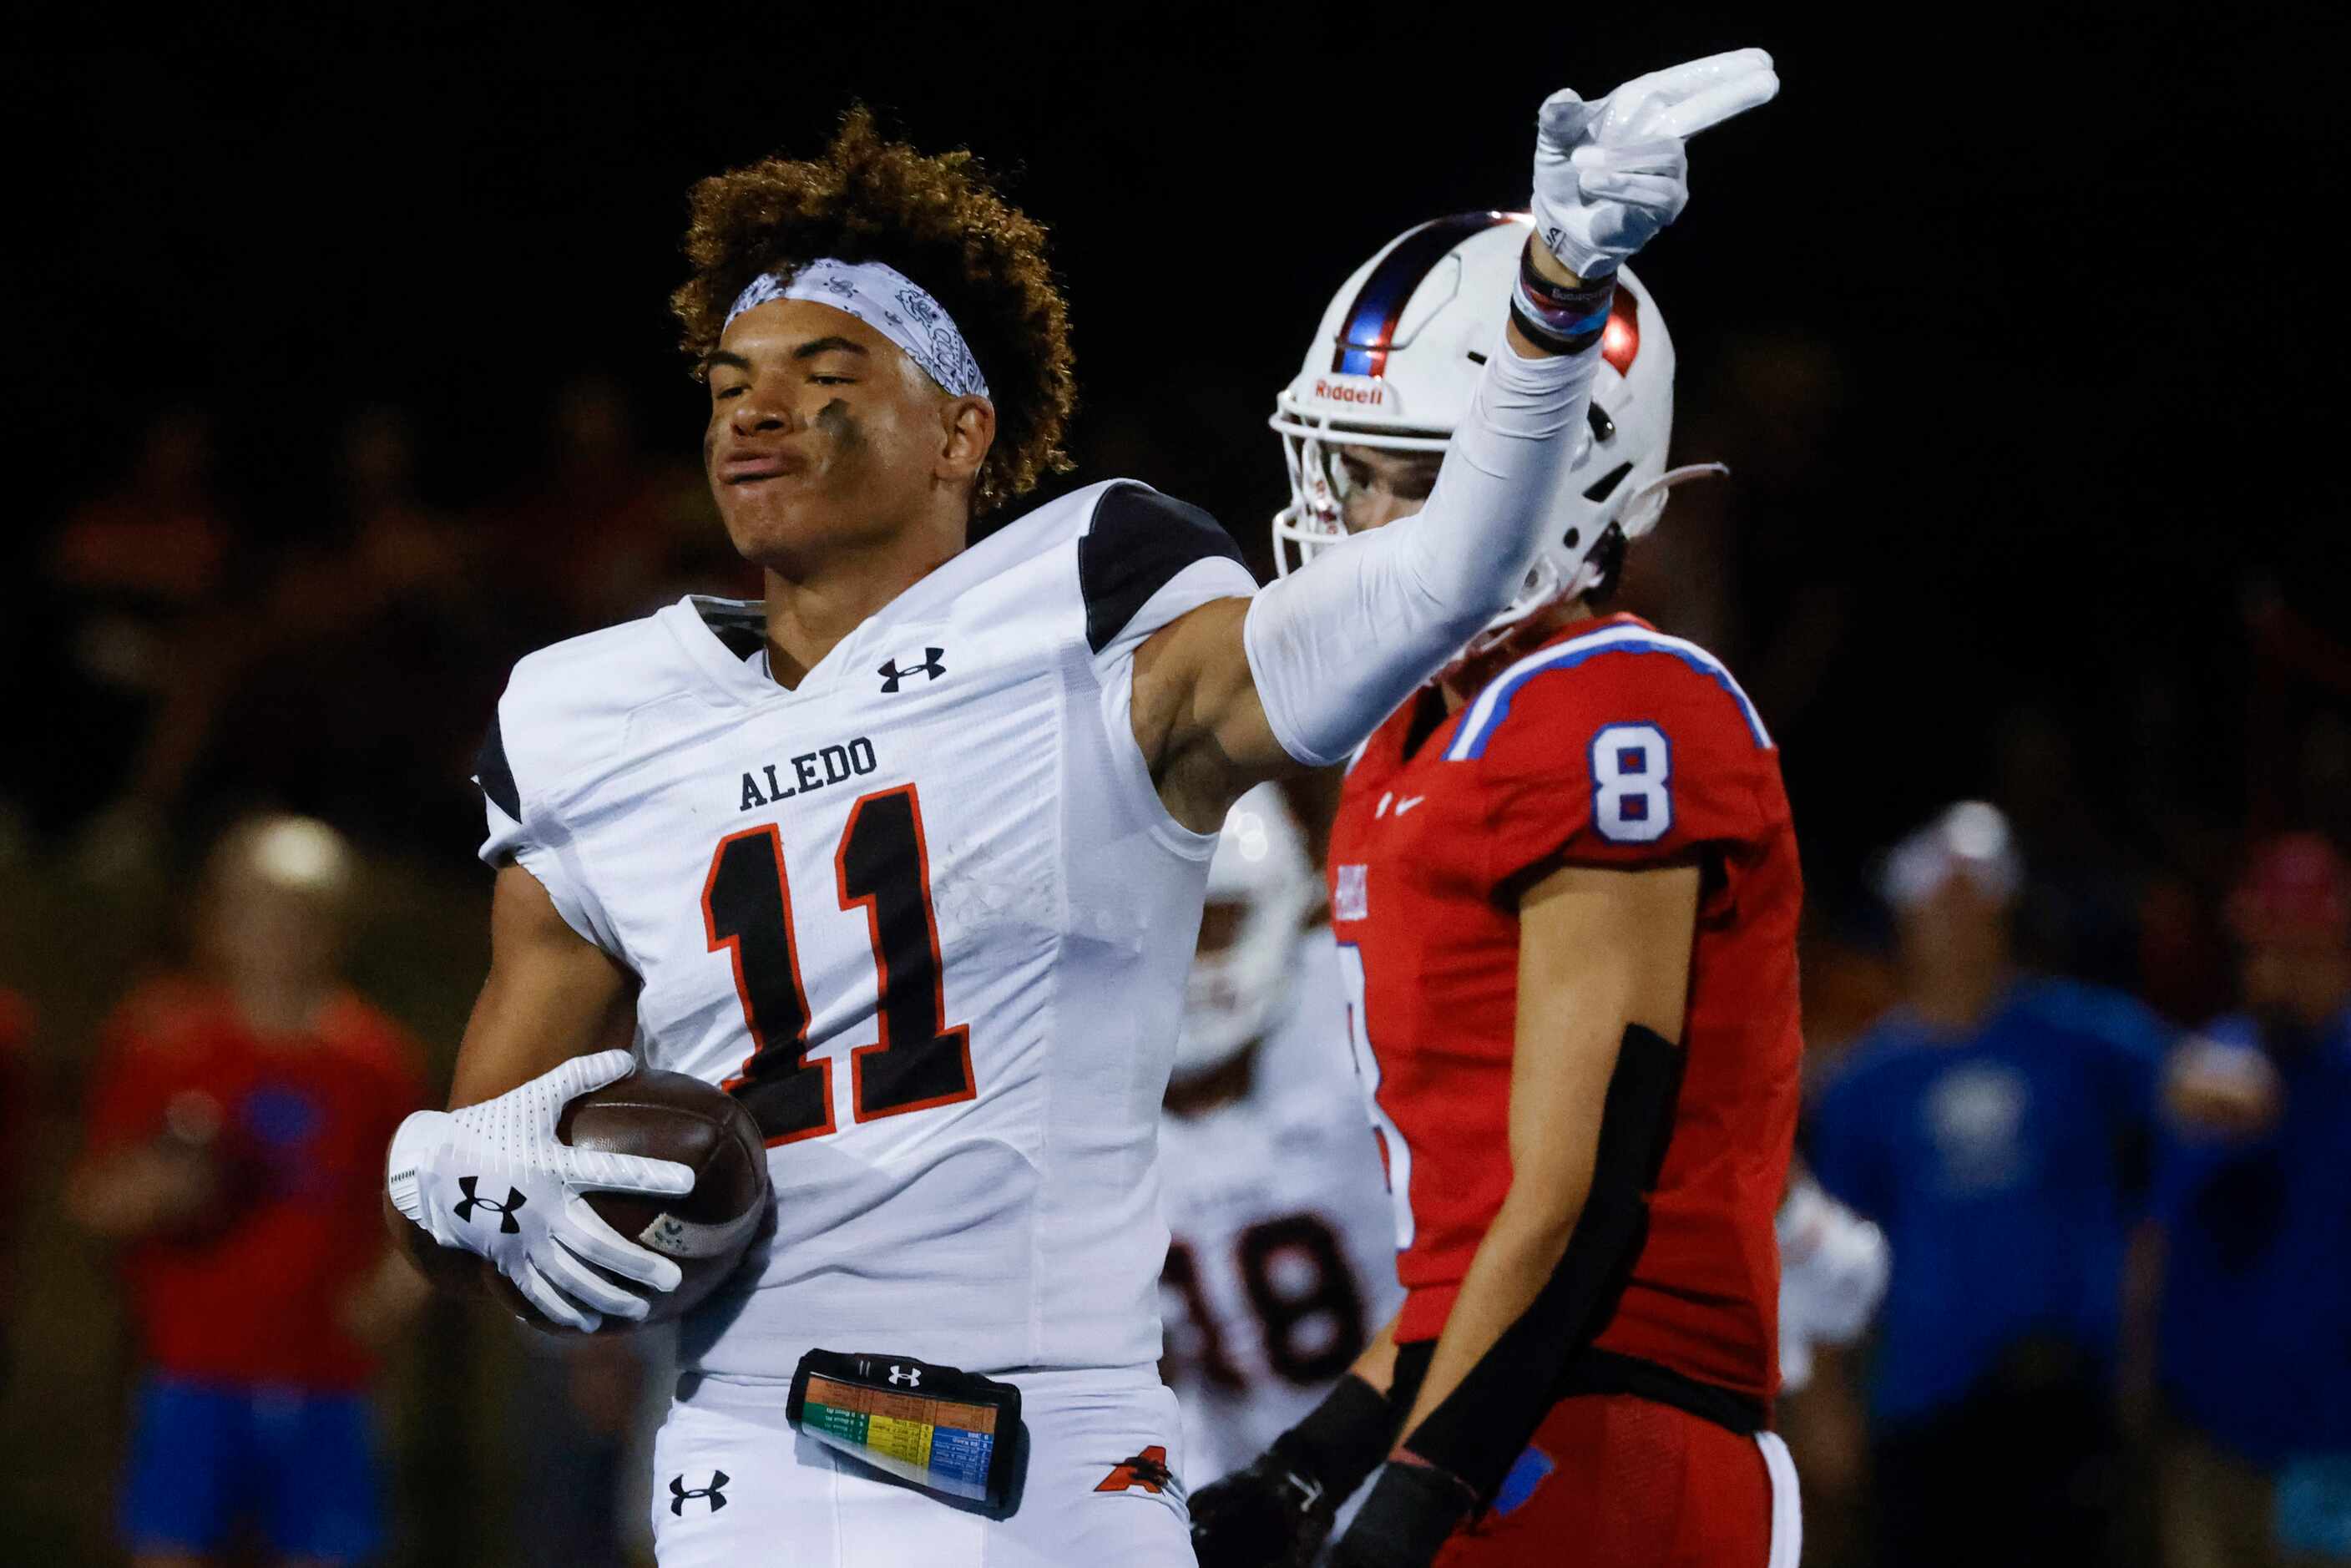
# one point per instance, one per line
(1611, 745)
(298, 1129)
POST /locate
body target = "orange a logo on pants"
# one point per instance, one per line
(1147, 1469)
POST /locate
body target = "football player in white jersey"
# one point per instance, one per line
(910, 856)
(1282, 1251)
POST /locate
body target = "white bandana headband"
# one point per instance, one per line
(886, 300)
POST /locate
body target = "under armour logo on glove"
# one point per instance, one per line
(911, 1376)
(508, 1224)
(679, 1494)
(1147, 1469)
(930, 668)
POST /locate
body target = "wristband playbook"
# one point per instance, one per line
(938, 1427)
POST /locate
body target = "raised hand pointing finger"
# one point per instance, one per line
(1608, 174)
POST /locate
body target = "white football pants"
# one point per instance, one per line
(789, 1500)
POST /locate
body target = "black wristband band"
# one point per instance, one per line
(1564, 319)
(1543, 335)
(1572, 301)
(1341, 1441)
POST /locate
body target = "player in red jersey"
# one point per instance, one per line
(234, 1150)
(1566, 885)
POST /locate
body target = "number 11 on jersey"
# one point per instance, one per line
(882, 867)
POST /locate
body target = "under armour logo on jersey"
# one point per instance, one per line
(911, 1376)
(1147, 1469)
(930, 668)
(679, 1494)
(508, 1224)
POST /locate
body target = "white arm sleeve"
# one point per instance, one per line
(1334, 647)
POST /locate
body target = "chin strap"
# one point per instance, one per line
(1629, 519)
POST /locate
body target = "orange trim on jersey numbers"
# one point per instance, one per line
(935, 1031)
(731, 942)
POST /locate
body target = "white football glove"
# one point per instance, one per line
(1609, 175)
(492, 1178)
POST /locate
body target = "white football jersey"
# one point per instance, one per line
(924, 914)
(1282, 1259)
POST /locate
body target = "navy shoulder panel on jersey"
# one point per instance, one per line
(495, 774)
(568, 702)
(1139, 539)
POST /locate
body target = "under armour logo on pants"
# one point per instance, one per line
(679, 1493)
(911, 1376)
(508, 1224)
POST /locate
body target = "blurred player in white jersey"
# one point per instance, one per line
(1281, 1254)
(909, 856)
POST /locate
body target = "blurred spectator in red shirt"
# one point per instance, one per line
(128, 580)
(235, 1149)
(159, 537)
(358, 690)
(609, 532)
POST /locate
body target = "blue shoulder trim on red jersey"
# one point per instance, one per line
(1493, 704)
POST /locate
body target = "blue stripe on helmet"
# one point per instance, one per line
(1379, 305)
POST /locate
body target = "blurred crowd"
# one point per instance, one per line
(185, 663)
(242, 925)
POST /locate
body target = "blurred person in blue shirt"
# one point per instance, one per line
(1997, 1127)
(2254, 1327)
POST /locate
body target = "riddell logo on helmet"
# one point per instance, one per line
(1367, 392)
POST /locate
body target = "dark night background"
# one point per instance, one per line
(2018, 327)
(2084, 332)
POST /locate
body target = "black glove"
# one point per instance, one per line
(1406, 1518)
(1260, 1517)
(1277, 1512)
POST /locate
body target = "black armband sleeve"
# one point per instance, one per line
(1343, 1439)
(1482, 1426)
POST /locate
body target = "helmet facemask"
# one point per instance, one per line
(1407, 391)
(1311, 445)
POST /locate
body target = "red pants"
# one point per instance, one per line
(1616, 1481)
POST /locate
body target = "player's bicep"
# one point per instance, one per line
(551, 996)
(1600, 950)
(1197, 715)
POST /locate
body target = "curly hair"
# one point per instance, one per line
(936, 219)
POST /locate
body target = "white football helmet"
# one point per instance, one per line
(1393, 365)
(1265, 886)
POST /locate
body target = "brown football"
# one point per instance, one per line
(665, 1117)
(672, 1116)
